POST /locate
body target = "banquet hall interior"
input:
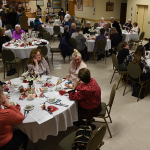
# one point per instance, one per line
(109, 31)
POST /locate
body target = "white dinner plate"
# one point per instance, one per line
(53, 101)
(59, 89)
(29, 108)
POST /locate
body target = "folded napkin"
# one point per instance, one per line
(7, 44)
(62, 92)
(48, 85)
(52, 108)
(22, 45)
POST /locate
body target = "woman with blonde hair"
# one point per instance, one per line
(24, 21)
(3, 38)
(10, 116)
(38, 63)
(139, 57)
(73, 28)
(75, 65)
(6, 15)
(13, 17)
(115, 37)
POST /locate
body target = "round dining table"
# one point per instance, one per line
(90, 44)
(130, 36)
(49, 29)
(60, 119)
(24, 52)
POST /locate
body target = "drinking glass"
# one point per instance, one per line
(11, 88)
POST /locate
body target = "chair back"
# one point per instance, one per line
(40, 28)
(7, 55)
(112, 96)
(119, 47)
(9, 26)
(139, 30)
(134, 70)
(96, 138)
(43, 49)
(123, 38)
(142, 35)
(115, 62)
(56, 29)
(25, 67)
(47, 36)
(73, 43)
(82, 20)
(95, 24)
(31, 24)
(101, 44)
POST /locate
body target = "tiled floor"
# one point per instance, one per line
(130, 127)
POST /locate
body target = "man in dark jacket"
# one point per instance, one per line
(115, 24)
(2, 16)
(61, 13)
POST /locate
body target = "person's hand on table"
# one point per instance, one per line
(68, 86)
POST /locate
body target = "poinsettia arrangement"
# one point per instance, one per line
(24, 36)
(92, 30)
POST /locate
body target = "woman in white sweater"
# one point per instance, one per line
(135, 28)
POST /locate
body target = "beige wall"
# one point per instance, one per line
(100, 11)
(133, 3)
(32, 4)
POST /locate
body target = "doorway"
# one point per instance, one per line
(123, 13)
(71, 8)
(141, 17)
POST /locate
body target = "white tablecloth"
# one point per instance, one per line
(22, 52)
(129, 36)
(98, 29)
(32, 19)
(57, 21)
(90, 45)
(8, 33)
(50, 29)
(62, 118)
(0, 23)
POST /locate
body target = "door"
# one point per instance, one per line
(141, 17)
(71, 8)
(123, 13)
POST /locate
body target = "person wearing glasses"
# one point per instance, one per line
(38, 63)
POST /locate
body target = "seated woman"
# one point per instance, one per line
(3, 38)
(88, 95)
(38, 63)
(17, 33)
(71, 20)
(100, 37)
(127, 26)
(61, 19)
(9, 139)
(64, 43)
(115, 37)
(135, 28)
(75, 65)
(139, 57)
(122, 55)
(102, 22)
(48, 18)
(73, 29)
(36, 22)
(147, 46)
(66, 23)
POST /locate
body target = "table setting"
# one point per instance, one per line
(44, 102)
(22, 47)
(130, 35)
(49, 27)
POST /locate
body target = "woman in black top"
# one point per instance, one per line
(48, 19)
(3, 38)
(61, 19)
(61, 12)
(122, 55)
(13, 17)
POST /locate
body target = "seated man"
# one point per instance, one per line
(107, 29)
(128, 26)
(86, 30)
(17, 33)
(122, 55)
(102, 37)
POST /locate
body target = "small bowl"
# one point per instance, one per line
(45, 89)
(31, 96)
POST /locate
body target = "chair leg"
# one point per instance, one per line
(107, 127)
(4, 71)
(118, 82)
(112, 77)
(125, 87)
(53, 38)
(94, 57)
(18, 70)
(52, 58)
(109, 115)
(105, 57)
(139, 93)
(22, 67)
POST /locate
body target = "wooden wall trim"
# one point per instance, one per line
(96, 20)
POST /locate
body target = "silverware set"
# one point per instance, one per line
(25, 113)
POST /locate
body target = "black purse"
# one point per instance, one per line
(82, 137)
(11, 72)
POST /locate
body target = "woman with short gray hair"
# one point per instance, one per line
(73, 29)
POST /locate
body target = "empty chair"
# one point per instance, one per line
(47, 36)
(56, 30)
